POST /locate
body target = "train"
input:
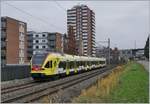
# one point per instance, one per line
(50, 65)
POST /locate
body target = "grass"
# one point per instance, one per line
(128, 83)
(134, 85)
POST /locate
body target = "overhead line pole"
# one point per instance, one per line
(109, 51)
(108, 48)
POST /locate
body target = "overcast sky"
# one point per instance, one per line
(123, 22)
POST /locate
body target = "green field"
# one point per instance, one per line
(132, 87)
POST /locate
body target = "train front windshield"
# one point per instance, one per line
(38, 59)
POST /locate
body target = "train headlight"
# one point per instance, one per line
(36, 68)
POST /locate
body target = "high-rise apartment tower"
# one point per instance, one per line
(82, 19)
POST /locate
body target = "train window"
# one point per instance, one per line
(80, 63)
(92, 62)
(38, 59)
(55, 63)
(48, 64)
(97, 63)
(86, 63)
(75, 64)
(83, 63)
(62, 64)
(71, 64)
(101, 62)
(89, 63)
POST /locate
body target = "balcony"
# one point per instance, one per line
(3, 44)
(3, 52)
(3, 35)
(3, 24)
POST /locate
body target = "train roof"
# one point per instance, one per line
(68, 57)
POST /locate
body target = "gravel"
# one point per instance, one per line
(62, 96)
(66, 95)
(16, 82)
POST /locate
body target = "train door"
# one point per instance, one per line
(67, 68)
(86, 65)
(75, 67)
(54, 66)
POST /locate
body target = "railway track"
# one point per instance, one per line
(29, 94)
(19, 87)
(12, 84)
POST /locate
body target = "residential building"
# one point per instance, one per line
(70, 44)
(65, 43)
(44, 41)
(30, 44)
(82, 19)
(13, 41)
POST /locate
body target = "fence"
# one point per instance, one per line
(11, 72)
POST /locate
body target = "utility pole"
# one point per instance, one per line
(135, 44)
(109, 51)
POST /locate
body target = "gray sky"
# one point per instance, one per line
(123, 22)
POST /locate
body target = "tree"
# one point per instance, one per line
(146, 48)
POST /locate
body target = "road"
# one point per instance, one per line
(145, 64)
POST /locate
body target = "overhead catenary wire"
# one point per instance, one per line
(60, 6)
(40, 19)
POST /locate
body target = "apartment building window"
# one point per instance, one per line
(21, 53)
(37, 41)
(37, 47)
(84, 34)
(85, 27)
(21, 46)
(52, 42)
(21, 60)
(3, 57)
(43, 35)
(84, 14)
(3, 24)
(21, 36)
(84, 24)
(43, 47)
(52, 37)
(84, 31)
(52, 47)
(3, 29)
(43, 41)
(84, 20)
(36, 35)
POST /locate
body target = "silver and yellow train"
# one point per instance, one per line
(45, 65)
